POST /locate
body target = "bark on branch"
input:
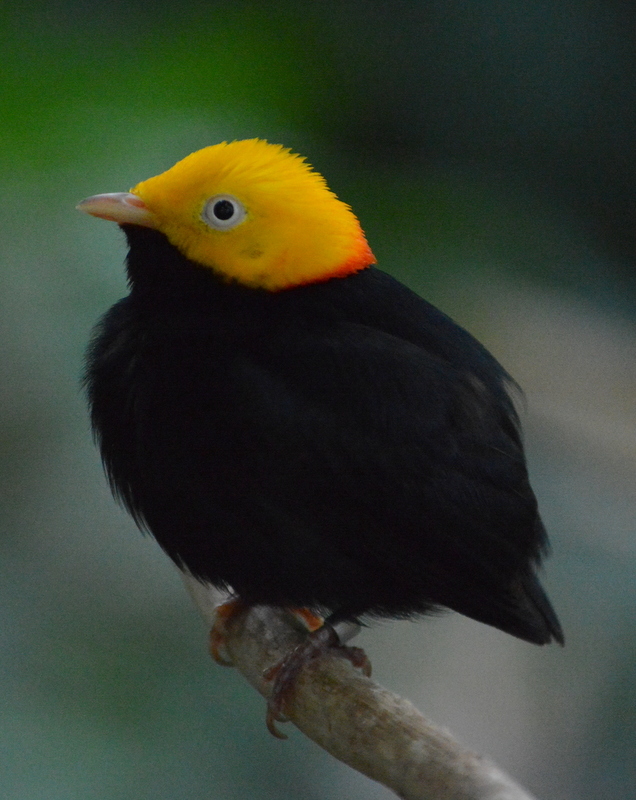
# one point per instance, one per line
(360, 723)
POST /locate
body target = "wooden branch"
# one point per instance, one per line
(362, 724)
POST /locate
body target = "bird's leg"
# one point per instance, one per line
(310, 620)
(321, 641)
(218, 633)
(234, 606)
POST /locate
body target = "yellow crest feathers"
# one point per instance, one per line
(256, 213)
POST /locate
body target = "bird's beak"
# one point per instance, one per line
(122, 207)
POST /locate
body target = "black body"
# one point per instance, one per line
(342, 445)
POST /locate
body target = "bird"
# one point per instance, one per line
(293, 424)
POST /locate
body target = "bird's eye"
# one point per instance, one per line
(223, 212)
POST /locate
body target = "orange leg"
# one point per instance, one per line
(321, 640)
(231, 608)
(310, 620)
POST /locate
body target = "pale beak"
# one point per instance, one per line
(122, 207)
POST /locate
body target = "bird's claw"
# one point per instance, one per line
(285, 673)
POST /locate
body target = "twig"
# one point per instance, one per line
(362, 724)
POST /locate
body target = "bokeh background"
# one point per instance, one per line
(489, 150)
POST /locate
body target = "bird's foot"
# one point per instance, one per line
(321, 641)
(218, 633)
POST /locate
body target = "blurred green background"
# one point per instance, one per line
(489, 151)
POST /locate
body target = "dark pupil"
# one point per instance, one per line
(223, 209)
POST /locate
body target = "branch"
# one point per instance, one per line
(360, 723)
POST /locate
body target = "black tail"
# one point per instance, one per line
(537, 608)
(524, 611)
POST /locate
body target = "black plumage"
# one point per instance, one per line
(342, 445)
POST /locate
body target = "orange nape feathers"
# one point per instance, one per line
(290, 228)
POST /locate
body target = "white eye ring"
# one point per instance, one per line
(223, 212)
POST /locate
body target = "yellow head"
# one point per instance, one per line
(253, 212)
